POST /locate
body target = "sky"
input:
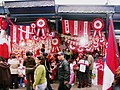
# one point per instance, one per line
(83, 2)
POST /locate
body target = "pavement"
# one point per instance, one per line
(74, 87)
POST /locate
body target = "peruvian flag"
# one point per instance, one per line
(85, 28)
(75, 28)
(67, 26)
(112, 59)
(14, 34)
(3, 45)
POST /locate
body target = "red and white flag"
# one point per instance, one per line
(66, 26)
(3, 45)
(76, 28)
(112, 59)
(85, 28)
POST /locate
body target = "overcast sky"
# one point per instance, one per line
(84, 2)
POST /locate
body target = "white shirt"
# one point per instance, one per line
(13, 65)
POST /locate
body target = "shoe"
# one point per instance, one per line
(79, 86)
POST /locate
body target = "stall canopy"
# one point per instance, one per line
(28, 11)
(84, 11)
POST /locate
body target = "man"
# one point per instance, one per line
(63, 72)
(29, 63)
(91, 62)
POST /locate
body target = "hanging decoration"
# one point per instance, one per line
(30, 37)
(97, 25)
(3, 24)
(79, 37)
(55, 45)
(41, 24)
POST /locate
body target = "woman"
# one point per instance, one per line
(5, 76)
(40, 81)
(14, 64)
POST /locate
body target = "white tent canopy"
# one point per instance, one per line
(87, 2)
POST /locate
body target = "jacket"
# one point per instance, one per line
(29, 62)
(14, 63)
(116, 87)
(64, 70)
(5, 75)
(40, 75)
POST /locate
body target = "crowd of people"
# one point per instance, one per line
(37, 73)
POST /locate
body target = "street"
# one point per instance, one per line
(55, 86)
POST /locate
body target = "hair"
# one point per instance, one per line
(13, 56)
(2, 59)
(117, 77)
(28, 53)
(42, 50)
(42, 58)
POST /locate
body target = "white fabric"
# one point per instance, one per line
(108, 78)
(83, 64)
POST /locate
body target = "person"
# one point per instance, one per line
(72, 74)
(5, 76)
(48, 72)
(14, 64)
(116, 82)
(29, 63)
(91, 62)
(40, 81)
(63, 72)
(83, 72)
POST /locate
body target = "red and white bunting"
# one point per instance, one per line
(80, 49)
(18, 33)
(72, 47)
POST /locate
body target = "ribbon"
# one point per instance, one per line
(97, 25)
(55, 44)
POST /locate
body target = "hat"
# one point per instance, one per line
(40, 57)
(60, 53)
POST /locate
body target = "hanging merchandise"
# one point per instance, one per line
(41, 25)
(55, 45)
(97, 25)
(33, 28)
(30, 37)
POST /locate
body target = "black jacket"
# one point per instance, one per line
(64, 70)
(29, 62)
(5, 75)
(116, 87)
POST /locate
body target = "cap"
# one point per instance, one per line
(60, 53)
